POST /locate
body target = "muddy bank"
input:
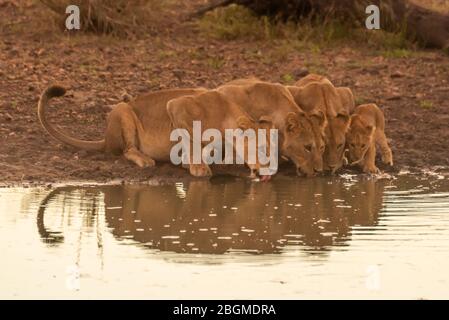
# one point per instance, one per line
(413, 92)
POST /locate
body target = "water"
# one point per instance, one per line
(347, 237)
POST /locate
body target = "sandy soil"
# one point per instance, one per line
(412, 91)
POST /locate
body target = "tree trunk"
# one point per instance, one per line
(429, 27)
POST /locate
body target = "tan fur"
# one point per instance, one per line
(301, 137)
(243, 81)
(139, 129)
(316, 93)
(367, 128)
(215, 111)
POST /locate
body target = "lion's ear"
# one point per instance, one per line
(244, 123)
(320, 117)
(292, 121)
(343, 116)
(266, 121)
(346, 98)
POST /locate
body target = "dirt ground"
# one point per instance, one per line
(413, 91)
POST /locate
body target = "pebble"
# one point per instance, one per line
(397, 74)
(300, 73)
(394, 96)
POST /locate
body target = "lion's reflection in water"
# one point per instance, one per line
(222, 215)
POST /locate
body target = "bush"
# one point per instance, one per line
(117, 17)
(238, 22)
(234, 22)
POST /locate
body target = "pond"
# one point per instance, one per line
(229, 238)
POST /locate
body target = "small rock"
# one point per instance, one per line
(394, 96)
(8, 117)
(178, 74)
(419, 95)
(300, 73)
(126, 97)
(341, 59)
(397, 74)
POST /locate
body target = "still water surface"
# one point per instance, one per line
(346, 237)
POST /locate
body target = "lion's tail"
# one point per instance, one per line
(58, 91)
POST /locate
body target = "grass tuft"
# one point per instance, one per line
(234, 22)
(426, 104)
(115, 17)
(237, 22)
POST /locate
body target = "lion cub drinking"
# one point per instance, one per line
(366, 129)
(315, 93)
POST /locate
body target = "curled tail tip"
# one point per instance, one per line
(55, 91)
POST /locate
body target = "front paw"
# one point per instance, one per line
(200, 170)
(372, 169)
(387, 159)
(149, 163)
(144, 162)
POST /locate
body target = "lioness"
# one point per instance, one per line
(140, 129)
(316, 92)
(366, 128)
(298, 139)
(215, 111)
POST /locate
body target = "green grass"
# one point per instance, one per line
(234, 22)
(426, 104)
(446, 50)
(164, 54)
(288, 79)
(216, 63)
(361, 100)
(397, 53)
(237, 22)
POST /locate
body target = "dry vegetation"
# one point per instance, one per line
(439, 5)
(236, 22)
(117, 17)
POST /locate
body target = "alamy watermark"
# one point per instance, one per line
(73, 20)
(373, 279)
(72, 281)
(249, 147)
(373, 20)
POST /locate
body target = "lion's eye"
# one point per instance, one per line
(352, 145)
(340, 146)
(363, 146)
(308, 148)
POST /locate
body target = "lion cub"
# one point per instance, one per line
(315, 92)
(366, 129)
